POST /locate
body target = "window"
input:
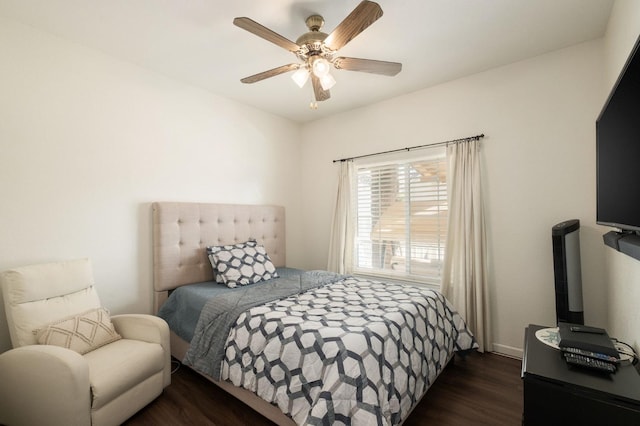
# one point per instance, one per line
(401, 217)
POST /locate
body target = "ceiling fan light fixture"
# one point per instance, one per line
(327, 81)
(320, 66)
(301, 76)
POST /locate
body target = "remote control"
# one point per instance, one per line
(590, 363)
(597, 355)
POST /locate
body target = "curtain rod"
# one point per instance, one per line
(476, 137)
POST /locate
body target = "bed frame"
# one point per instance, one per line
(181, 231)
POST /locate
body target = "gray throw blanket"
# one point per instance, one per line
(220, 313)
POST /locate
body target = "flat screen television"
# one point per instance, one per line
(618, 151)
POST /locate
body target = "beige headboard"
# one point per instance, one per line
(182, 231)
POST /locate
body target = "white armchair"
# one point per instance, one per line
(49, 384)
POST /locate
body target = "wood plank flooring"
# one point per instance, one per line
(482, 389)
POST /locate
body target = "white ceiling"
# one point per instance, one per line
(195, 41)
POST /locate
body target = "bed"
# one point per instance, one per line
(305, 347)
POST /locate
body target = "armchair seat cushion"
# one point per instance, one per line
(121, 365)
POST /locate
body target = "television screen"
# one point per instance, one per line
(618, 151)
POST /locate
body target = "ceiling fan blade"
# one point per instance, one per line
(368, 65)
(319, 92)
(365, 14)
(271, 73)
(264, 32)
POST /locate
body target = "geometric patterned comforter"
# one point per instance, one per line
(356, 351)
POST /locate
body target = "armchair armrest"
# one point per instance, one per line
(147, 328)
(44, 384)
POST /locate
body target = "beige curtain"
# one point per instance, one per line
(341, 239)
(464, 278)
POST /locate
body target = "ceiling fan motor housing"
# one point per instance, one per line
(311, 42)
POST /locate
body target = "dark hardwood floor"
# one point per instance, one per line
(481, 389)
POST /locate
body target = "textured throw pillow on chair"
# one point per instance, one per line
(81, 333)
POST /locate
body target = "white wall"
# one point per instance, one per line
(538, 116)
(87, 142)
(623, 272)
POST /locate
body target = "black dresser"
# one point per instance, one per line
(557, 394)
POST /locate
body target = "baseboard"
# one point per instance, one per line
(507, 350)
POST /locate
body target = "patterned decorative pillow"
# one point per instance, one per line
(214, 249)
(82, 333)
(241, 264)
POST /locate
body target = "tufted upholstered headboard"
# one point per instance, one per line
(182, 231)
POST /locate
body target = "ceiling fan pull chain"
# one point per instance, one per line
(313, 103)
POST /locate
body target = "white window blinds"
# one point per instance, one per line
(401, 210)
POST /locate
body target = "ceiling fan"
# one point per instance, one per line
(316, 50)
